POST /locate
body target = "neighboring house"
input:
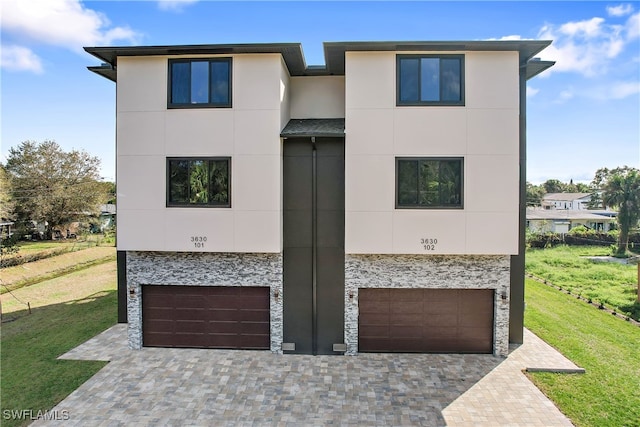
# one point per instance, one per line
(6, 229)
(107, 216)
(372, 204)
(561, 221)
(570, 201)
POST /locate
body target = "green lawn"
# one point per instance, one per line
(32, 377)
(615, 285)
(606, 346)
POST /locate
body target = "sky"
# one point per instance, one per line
(582, 114)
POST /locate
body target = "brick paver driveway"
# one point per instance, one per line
(157, 386)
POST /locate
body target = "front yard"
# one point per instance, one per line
(612, 284)
(66, 311)
(608, 394)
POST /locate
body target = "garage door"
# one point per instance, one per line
(426, 320)
(205, 317)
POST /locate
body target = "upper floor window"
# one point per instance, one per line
(198, 182)
(431, 182)
(430, 80)
(195, 83)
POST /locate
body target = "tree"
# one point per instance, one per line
(52, 186)
(6, 201)
(554, 186)
(534, 194)
(622, 190)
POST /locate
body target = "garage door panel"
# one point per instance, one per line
(436, 306)
(253, 342)
(255, 328)
(188, 326)
(406, 306)
(222, 302)
(408, 318)
(159, 300)
(191, 301)
(374, 344)
(374, 330)
(223, 327)
(475, 320)
(406, 294)
(446, 332)
(426, 320)
(222, 315)
(206, 317)
(441, 320)
(406, 331)
(375, 318)
(381, 294)
(408, 345)
(374, 306)
(252, 303)
(158, 312)
(189, 314)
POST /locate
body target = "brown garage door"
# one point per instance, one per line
(205, 317)
(426, 320)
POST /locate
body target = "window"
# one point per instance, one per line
(430, 80)
(198, 182)
(429, 182)
(197, 83)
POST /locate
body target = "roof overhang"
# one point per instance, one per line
(304, 128)
(334, 53)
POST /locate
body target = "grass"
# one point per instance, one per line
(609, 349)
(615, 285)
(68, 311)
(37, 271)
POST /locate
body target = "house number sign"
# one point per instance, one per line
(429, 244)
(198, 241)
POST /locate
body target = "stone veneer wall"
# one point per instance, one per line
(202, 269)
(428, 271)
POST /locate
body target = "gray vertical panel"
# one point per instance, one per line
(330, 244)
(303, 307)
(297, 258)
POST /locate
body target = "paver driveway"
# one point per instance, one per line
(195, 387)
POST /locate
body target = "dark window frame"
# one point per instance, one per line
(458, 103)
(177, 105)
(172, 204)
(399, 205)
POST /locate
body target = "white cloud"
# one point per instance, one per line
(174, 5)
(63, 23)
(585, 47)
(511, 37)
(632, 27)
(532, 91)
(588, 29)
(620, 10)
(564, 96)
(614, 90)
(18, 58)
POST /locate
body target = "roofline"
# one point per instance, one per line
(334, 53)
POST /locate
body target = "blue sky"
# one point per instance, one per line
(583, 114)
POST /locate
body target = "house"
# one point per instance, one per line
(572, 201)
(375, 203)
(561, 221)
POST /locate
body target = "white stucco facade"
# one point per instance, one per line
(484, 132)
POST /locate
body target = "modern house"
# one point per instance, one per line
(562, 220)
(374, 204)
(571, 201)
